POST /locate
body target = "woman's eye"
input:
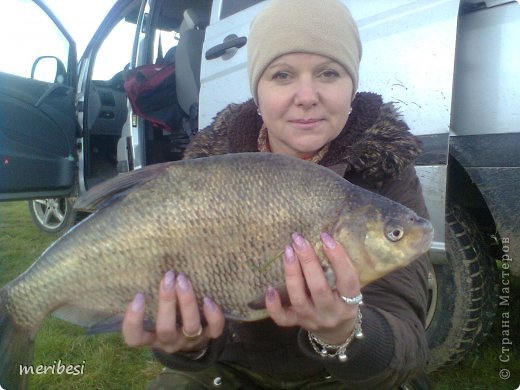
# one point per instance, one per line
(281, 76)
(329, 74)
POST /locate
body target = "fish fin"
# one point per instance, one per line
(80, 316)
(114, 324)
(94, 321)
(16, 349)
(258, 303)
(108, 191)
(107, 325)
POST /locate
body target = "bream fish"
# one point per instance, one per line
(223, 221)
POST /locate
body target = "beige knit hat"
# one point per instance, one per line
(323, 27)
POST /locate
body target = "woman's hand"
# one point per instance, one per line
(322, 311)
(190, 336)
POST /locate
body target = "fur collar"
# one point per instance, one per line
(375, 143)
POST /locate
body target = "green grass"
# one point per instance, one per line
(481, 369)
(109, 364)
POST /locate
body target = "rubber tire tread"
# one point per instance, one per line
(467, 292)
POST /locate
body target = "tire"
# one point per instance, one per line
(463, 292)
(53, 215)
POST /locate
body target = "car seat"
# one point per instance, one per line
(188, 56)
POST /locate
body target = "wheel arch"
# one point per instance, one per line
(464, 191)
(488, 195)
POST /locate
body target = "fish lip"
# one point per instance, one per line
(426, 241)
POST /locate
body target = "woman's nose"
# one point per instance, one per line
(306, 93)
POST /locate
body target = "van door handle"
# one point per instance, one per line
(230, 42)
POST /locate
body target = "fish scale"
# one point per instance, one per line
(223, 221)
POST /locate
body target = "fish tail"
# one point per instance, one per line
(16, 349)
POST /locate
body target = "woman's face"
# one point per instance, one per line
(304, 100)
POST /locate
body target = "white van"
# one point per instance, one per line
(448, 64)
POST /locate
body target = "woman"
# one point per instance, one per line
(303, 67)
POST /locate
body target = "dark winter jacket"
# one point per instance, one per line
(376, 151)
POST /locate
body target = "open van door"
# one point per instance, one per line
(38, 126)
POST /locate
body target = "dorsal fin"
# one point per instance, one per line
(102, 194)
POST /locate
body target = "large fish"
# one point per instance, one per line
(222, 220)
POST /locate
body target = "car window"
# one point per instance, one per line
(230, 7)
(28, 35)
(115, 52)
(164, 45)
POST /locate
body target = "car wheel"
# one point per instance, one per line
(463, 292)
(53, 215)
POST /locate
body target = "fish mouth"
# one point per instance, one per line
(426, 240)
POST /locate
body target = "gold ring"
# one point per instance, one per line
(192, 336)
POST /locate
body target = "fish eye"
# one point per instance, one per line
(395, 233)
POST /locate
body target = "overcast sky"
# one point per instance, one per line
(33, 35)
(81, 18)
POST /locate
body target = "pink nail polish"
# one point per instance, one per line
(299, 241)
(169, 278)
(328, 241)
(138, 302)
(183, 283)
(209, 303)
(289, 254)
(271, 293)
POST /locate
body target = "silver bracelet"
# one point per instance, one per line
(195, 355)
(201, 354)
(330, 350)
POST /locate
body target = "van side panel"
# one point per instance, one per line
(485, 116)
(486, 87)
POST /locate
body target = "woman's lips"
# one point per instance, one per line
(305, 123)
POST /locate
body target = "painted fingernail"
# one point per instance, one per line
(299, 241)
(183, 283)
(271, 293)
(138, 302)
(289, 254)
(169, 278)
(209, 303)
(328, 241)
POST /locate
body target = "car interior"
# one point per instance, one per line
(182, 23)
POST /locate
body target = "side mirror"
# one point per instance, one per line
(49, 69)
